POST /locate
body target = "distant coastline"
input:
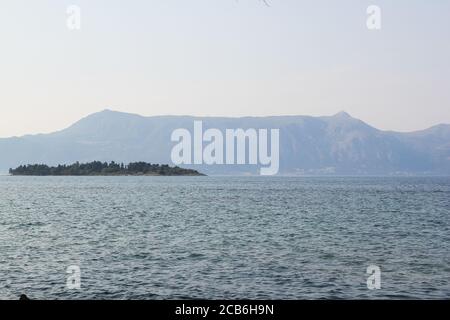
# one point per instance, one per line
(97, 168)
(331, 145)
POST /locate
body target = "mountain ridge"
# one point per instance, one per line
(336, 144)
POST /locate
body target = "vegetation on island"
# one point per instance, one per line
(98, 168)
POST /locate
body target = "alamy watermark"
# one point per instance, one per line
(73, 281)
(236, 146)
(374, 279)
(73, 21)
(373, 21)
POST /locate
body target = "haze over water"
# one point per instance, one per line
(224, 237)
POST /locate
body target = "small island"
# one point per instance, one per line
(97, 168)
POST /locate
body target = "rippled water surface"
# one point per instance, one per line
(224, 237)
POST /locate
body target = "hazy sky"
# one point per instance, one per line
(224, 57)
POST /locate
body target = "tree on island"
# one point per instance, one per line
(97, 168)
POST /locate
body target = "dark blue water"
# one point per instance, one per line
(223, 237)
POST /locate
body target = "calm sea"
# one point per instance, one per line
(224, 237)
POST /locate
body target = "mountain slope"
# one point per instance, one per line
(336, 144)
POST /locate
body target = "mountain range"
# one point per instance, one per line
(330, 145)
